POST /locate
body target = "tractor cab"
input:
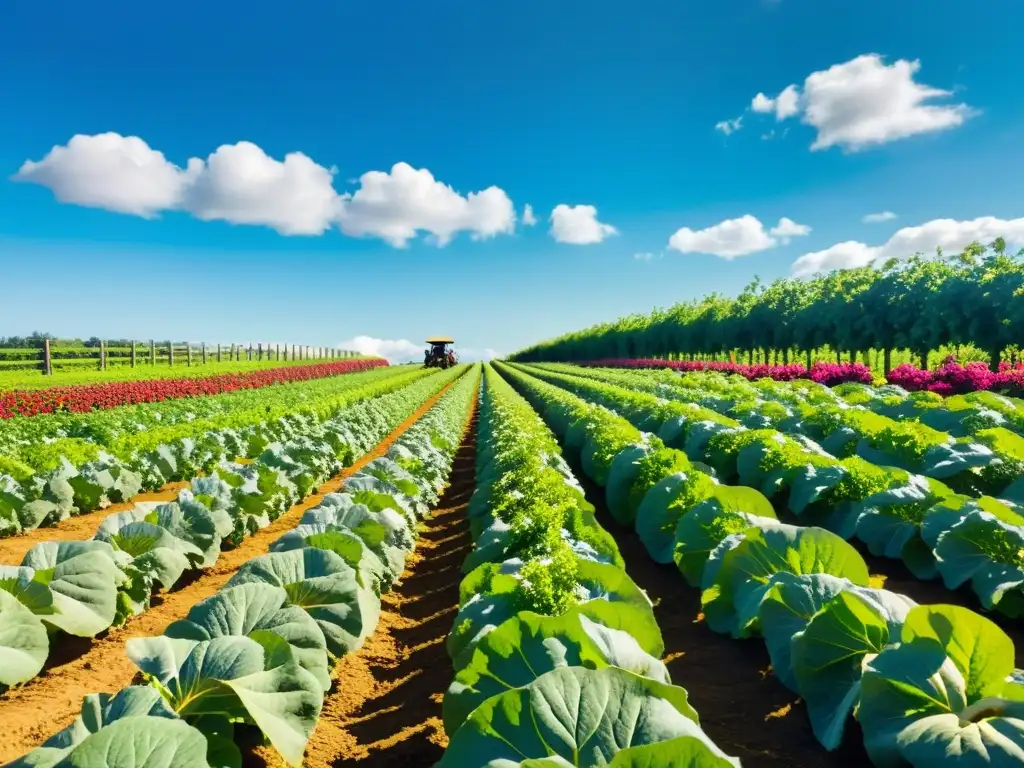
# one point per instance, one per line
(439, 353)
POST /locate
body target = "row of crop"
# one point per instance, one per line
(816, 410)
(959, 415)
(114, 429)
(555, 649)
(91, 397)
(926, 683)
(260, 652)
(106, 458)
(82, 588)
(895, 512)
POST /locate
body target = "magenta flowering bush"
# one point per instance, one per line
(829, 374)
(952, 378)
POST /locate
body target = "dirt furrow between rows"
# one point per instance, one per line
(385, 709)
(79, 666)
(742, 706)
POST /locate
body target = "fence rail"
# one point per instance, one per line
(52, 355)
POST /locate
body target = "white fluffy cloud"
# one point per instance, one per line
(785, 105)
(949, 234)
(241, 184)
(729, 126)
(878, 218)
(864, 102)
(736, 237)
(395, 206)
(578, 225)
(395, 351)
(787, 228)
(110, 171)
(529, 219)
(845, 255)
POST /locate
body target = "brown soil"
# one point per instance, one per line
(742, 706)
(385, 710)
(13, 548)
(79, 666)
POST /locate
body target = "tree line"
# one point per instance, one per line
(972, 299)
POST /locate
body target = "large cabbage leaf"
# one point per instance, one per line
(237, 678)
(582, 717)
(372, 572)
(135, 742)
(664, 504)
(700, 530)
(828, 654)
(944, 690)
(738, 571)
(325, 586)
(263, 612)
(82, 578)
(24, 644)
(528, 645)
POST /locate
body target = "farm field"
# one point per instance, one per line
(425, 386)
(82, 398)
(389, 566)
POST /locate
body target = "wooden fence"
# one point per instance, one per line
(174, 353)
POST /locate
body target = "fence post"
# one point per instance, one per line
(152, 352)
(133, 354)
(103, 355)
(277, 352)
(259, 351)
(218, 353)
(204, 353)
(188, 351)
(170, 353)
(47, 359)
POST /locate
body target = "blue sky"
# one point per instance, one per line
(548, 104)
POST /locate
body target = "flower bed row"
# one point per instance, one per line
(927, 684)
(878, 495)
(85, 398)
(82, 588)
(951, 378)
(556, 650)
(260, 652)
(824, 373)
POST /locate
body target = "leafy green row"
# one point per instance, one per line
(926, 683)
(978, 456)
(260, 651)
(82, 588)
(549, 623)
(51, 478)
(897, 514)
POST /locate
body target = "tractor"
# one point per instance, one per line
(439, 354)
